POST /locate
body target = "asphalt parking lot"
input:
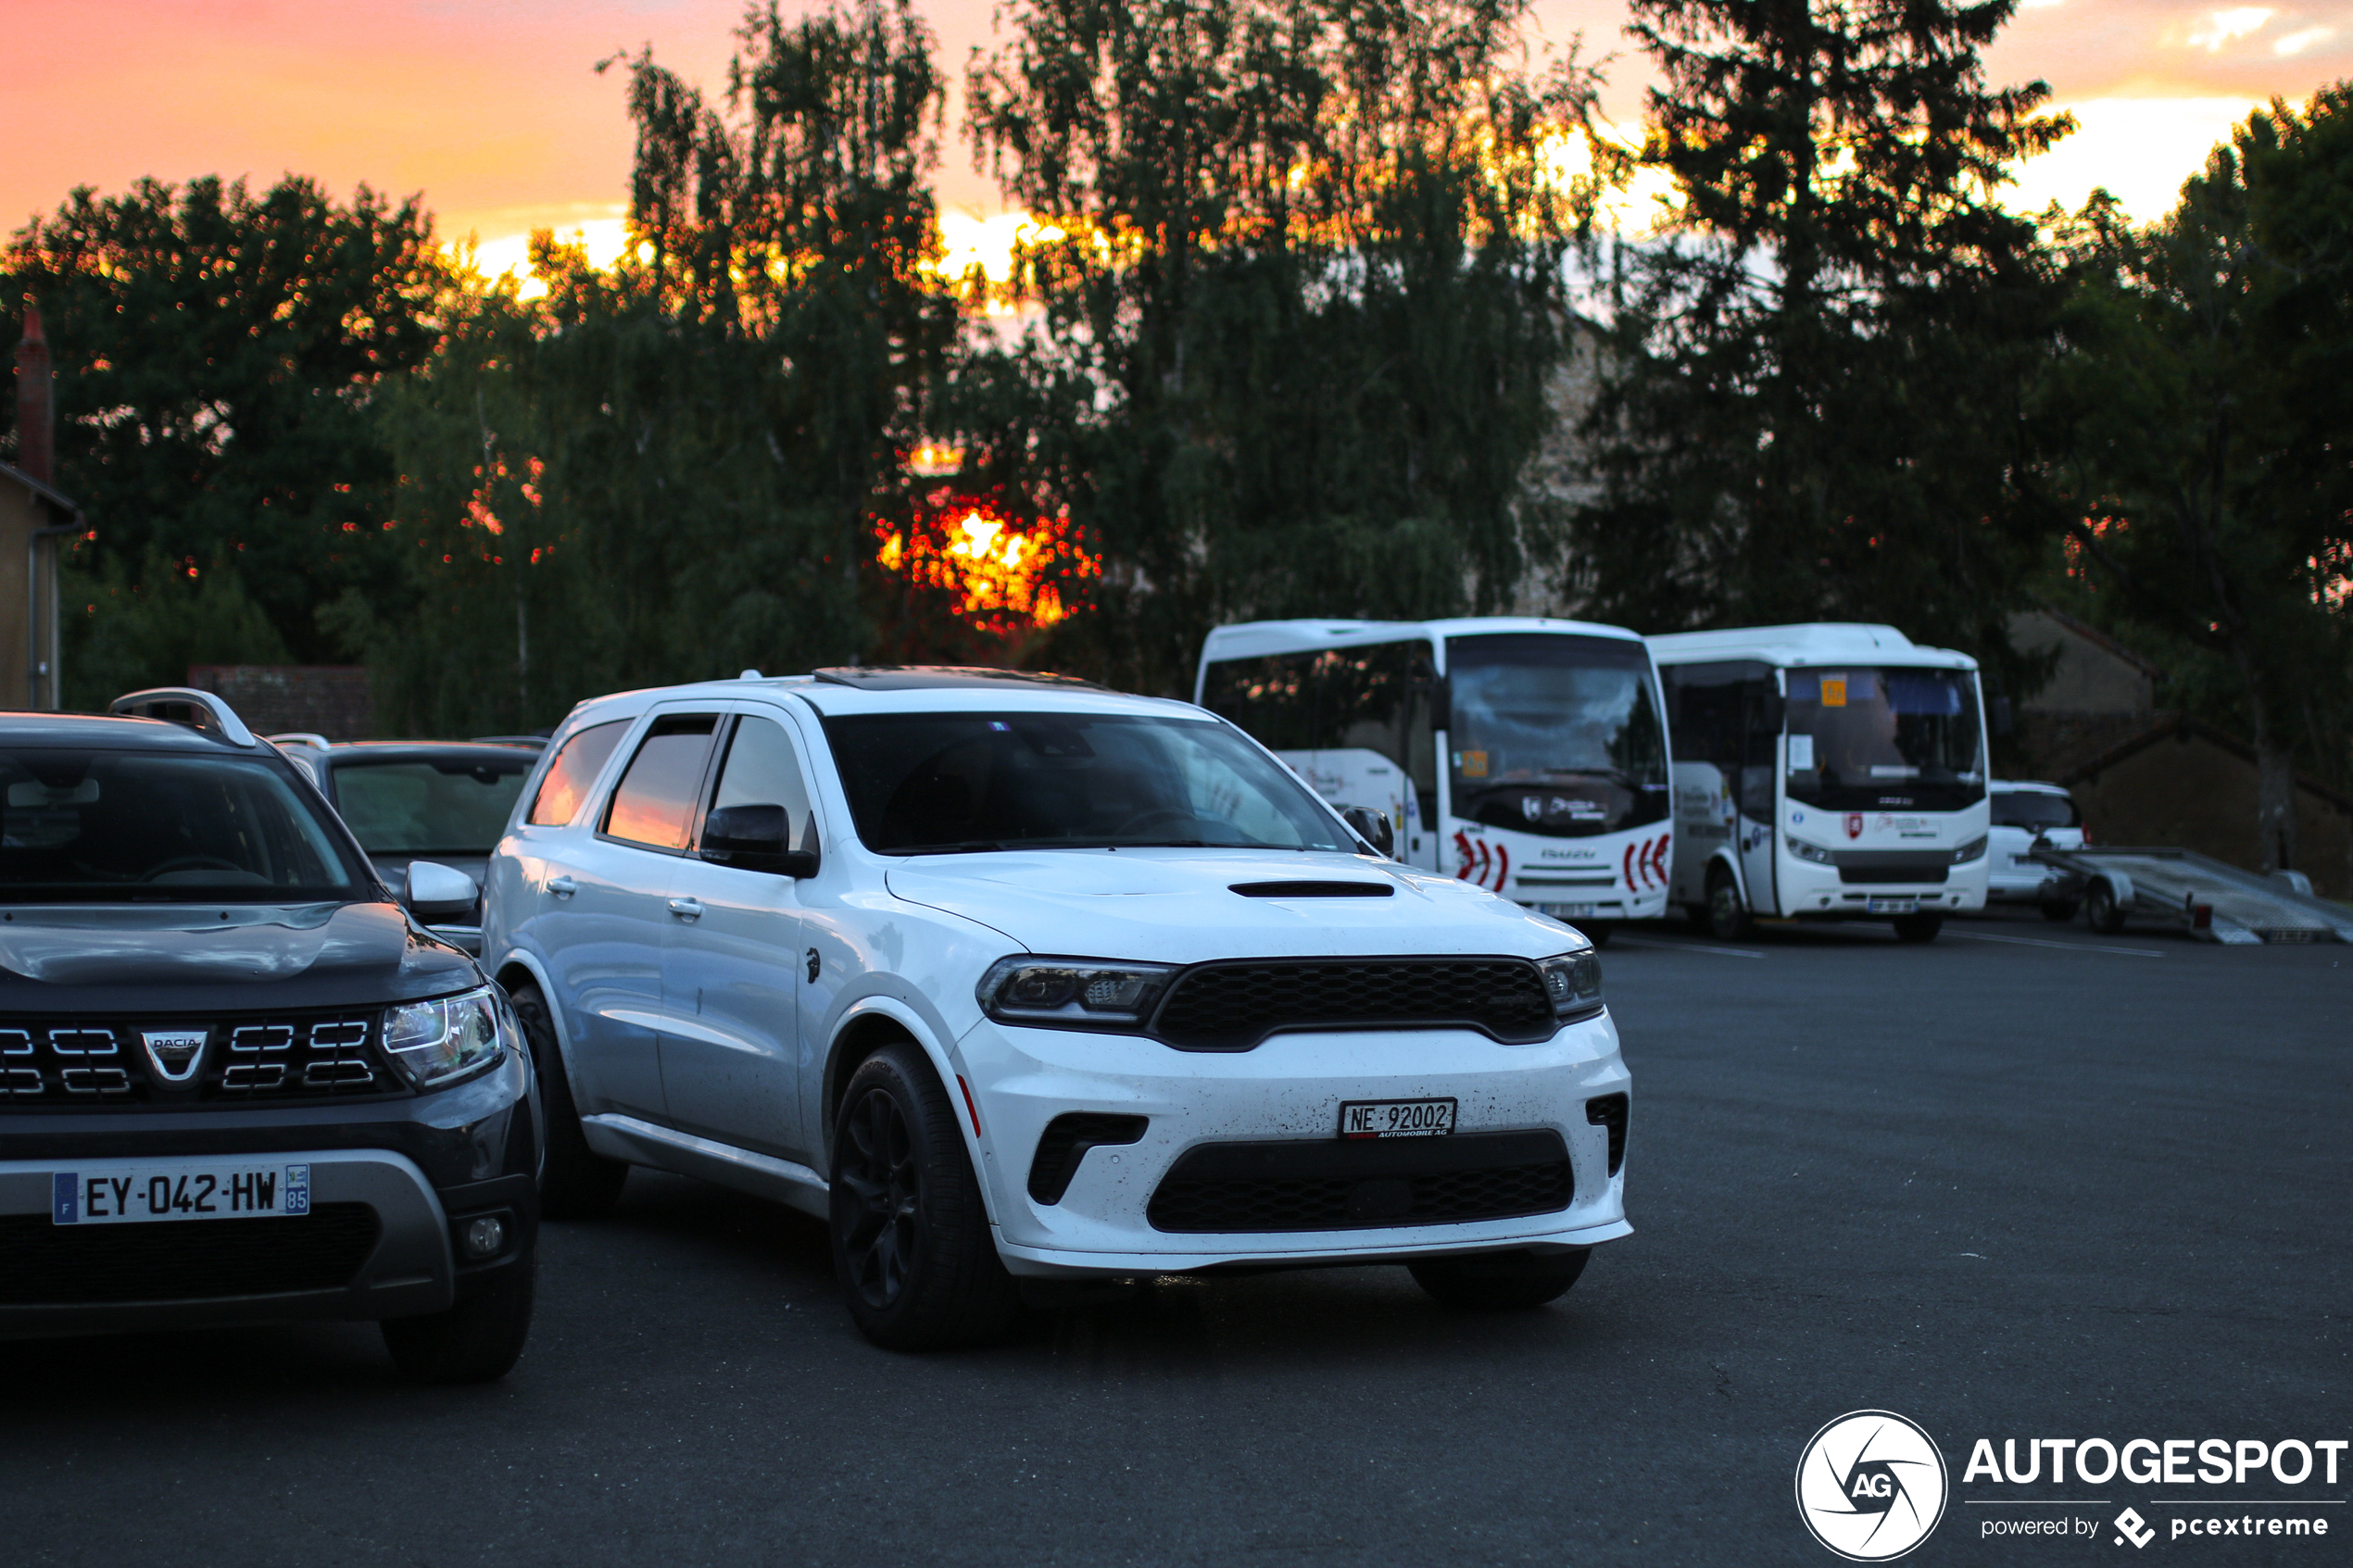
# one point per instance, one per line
(2025, 1183)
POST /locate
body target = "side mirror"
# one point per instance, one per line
(752, 838)
(1372, 827)
(436, 892)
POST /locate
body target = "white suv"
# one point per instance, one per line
(1012, 979)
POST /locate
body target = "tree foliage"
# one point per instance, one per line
(1297, 306)
(685, 455)
(1820, 366)
(2205, 484)
(220, 355)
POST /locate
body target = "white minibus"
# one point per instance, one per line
(1827, 770)
(1554, 791)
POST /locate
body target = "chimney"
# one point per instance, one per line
(36, 403)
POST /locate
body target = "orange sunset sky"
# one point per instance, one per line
(491, 108)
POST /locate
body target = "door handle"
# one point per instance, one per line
(685, 909)
(562, 887)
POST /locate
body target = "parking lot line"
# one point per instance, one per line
(2067, 946)
(1686, 946)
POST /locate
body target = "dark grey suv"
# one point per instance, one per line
(238, 1082)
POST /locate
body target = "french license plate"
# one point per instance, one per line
(179, 1189)
(1396, 1118)
(1895, 906)
(1567, 912)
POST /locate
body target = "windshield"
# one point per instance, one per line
(1861, 738)
(1555, 735)
(936, 783)
(2034, 811)
(147, 826)
(428, 807)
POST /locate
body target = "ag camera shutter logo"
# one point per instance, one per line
(1871, 1486)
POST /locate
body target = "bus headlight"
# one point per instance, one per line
(1969, 851)
(1573, 980)
(1804, 851)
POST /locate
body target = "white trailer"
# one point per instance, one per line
(1526, 754)
(1827, 771)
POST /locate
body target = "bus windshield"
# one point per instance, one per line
(1861, 738)
(1555, 733)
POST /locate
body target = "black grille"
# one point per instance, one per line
(1873, 867)
(80, 1063)
(45, 1264)
(1233, 1006)
(1354, 1184)
(1066, 1142)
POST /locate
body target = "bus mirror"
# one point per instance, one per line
(1442, 701)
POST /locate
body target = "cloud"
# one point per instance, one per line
(2296, 43)
(2224, 27)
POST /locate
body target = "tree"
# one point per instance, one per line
(2207, 496)
(1297, 305)
(1819, 366)
(685, 459)
(218, 356)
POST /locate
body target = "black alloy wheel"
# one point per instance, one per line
(576, 1182)
(912, 1241)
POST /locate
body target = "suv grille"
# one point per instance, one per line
(79, 1063)
(1233, 1006)
(44, 1264)
(1353, 1183)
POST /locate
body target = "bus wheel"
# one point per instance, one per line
(1919, 928)
(1727, 914)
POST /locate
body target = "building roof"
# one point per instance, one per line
(57, 501)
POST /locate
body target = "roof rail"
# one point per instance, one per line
(300, 738)
(174, 704)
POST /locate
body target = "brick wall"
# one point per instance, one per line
(325, 699)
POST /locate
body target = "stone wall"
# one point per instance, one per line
(332, 701)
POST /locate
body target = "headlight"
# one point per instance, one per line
(1969, 851)
(1805, 851)
(1071, 993)
(1573, 982)
(435, 1042)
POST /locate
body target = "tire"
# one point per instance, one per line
(2100, 908)
(1500, 1282)
(475, 1341)
(576, 1182)
(2059, 910)
(1727, 916)
(1918, 928)
(911, 1242)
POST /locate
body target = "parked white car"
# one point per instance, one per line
(1012, 979)
(2024, 811)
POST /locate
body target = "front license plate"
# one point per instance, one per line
(1567, 912)
(1895, 906)
(1396, 1118)
(178, 1189)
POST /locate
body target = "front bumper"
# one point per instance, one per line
(1806, 888)
(421, 1165)
(1288, 1088)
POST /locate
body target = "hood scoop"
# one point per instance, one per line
(1314, 889)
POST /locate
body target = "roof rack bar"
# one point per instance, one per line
(170, 703)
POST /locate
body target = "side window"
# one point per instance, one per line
(764, 769)
(655, 803)
(579, 761)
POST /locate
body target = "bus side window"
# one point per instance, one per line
(1728, 716)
